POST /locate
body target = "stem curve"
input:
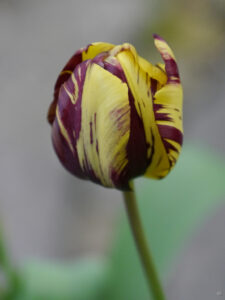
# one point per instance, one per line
(142, 245)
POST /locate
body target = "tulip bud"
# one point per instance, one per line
(115, 116)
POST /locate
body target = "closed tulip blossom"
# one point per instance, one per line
(116, 116)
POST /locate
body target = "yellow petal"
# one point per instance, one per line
(163, 47)
(153, 71)
(168, 102)
(139, 82)
(169, 118)
(94, 49)
(105, 125)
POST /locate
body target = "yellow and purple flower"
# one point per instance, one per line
(115, 116)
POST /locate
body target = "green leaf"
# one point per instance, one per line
(170, 209)
(81, 280)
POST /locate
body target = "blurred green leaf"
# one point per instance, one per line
(81, 280)
(170, 209)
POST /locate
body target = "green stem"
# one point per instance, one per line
(142, 246)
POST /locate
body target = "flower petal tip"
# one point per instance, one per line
(157, 37)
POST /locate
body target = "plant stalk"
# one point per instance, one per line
(142, 245)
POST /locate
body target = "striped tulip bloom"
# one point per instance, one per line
(115, 116)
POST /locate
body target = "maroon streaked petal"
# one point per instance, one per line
(70, 112)
(172, 71)
(70, 118)
(63, 76)
(160, 116)
(86, 53)
(170, 62)
(167, 104)
(158, 37)
(137, 146)
(68, 159)
(153, 86)
(172, 133)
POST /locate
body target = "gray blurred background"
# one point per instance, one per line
(46, 212)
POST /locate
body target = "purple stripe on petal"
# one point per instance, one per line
(170, 63)
(68, 159)
(63, 76)
(170, 132)
(99, 59)
(118, 114)
(70, 116)
(75, 60)
(163, 117)
(172, 71)
(115, 68)
(91, 133)
(70, 66)
(121, 180)
(95, 121)
(137, 146)
(158, 37)
(153, 86)
(158, 115)
(71, 113)
(169, 146)
(97, 149)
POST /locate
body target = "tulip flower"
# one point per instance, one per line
(116, 116)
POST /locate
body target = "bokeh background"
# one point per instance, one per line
(48, 214)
